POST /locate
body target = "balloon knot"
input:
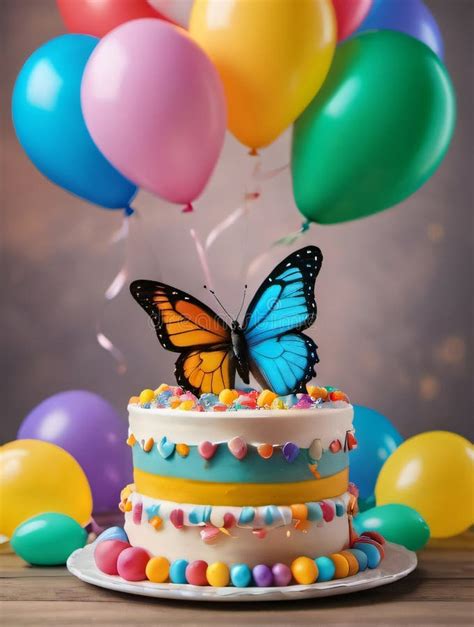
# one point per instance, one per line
(188, 208)
(305, 226)
(253, 152)
(128, 211)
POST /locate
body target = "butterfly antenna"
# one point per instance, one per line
(217, 299)
(242, 303)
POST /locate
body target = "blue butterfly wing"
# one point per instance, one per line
(281, 357)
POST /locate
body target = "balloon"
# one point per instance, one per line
(377, 438)
(49, 124)
(349, 15)
(48, 539)
(272, 59)
(37, 477)
(155, 106)
(432, 472)
(89, 428)
(397, 523)
(98, 17)
(178, 12)
(376, 132)
(410, 17)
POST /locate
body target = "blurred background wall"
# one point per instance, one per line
(395, 294)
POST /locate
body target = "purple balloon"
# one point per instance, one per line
(411, 17)
(90, 429)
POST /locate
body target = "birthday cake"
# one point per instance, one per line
(235, 486)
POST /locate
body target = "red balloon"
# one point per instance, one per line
(350, 15)
(98, 17)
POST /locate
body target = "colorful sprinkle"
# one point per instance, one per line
(182, 449)
(328, 511)
(247, 515)
(207, 450)
(131, 440)
(177, 518)
(156, 522)
(148, 445)
(304, 570)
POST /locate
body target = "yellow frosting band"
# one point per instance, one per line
(239, 494)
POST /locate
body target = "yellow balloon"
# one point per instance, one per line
(38, 477)
(272, 56)
(434, 474)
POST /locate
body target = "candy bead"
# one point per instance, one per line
(328, 511)
(290, 452)
(161, 388)
(106, 554)
(131, 440)
(262, 575)
(265, 450)
(314, 511)
(304, 570)
(218, 574)
(112, 533)
(238, 447)
(341, 565)
(317, 392)
(228, 396)
(157, 569)
(146, 396)
(134, 400)
(266, 398)
(315, 450)
(281, 574)
(177, 518)
(361, 558)
(326, 568)
(182, 449)
(299, 511)
(186, 405)
(240, 575)
(196, 573)
(131, 563)
(352, 561)
(377, 545)
(374, 535)
(247, 514)
(373, 554)
(207, 450)
(178, 571)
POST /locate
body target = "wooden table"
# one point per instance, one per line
(439, 592)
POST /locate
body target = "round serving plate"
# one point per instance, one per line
(398, 563)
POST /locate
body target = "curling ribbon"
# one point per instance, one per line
(202, 257)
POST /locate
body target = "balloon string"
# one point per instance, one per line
(201, 253)
(271, 174)
(217, 231)
(112, 291)
(291, 238)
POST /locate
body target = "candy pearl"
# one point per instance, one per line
(374, 535)
(341, 565)
(207, 450)
(374, 543)
(352, 561)
(290, 452)
(106, 554)
(218, 575)
(265, 450)
(326, 568)
(373, 555)
(132, 562)
(196, 573)
(281, 574)
(240, 575)
(361, 557)
(315, 451)
(146, 396)
(178, 571)
(262, 575)
(157, 569)
(238, 447)
(304, 570)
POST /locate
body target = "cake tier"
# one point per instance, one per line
(253, 535)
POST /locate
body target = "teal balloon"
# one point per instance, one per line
(397, 523)
(48, 539)
(48, 120)
(376, 131)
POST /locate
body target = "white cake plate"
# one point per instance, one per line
(398, 563)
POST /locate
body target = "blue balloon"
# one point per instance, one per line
(377, 438)
(48, 120)
(411, 17)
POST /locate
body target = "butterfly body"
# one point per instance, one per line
(269, 344)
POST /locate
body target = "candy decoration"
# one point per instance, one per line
(265, 450)
(377, 545)
(148, 445)
(218, 574)
(240, 575)
(281, 574)
(178, 571)
(196, 573)
(372, 553)
(106, 554)
(137, 513)
(156, 522)
(261, 534)
(266, 398)
(132, 562)
(326, 568)
(290, 451)
(361, 557)
(146, 396)
(207, 450)
(166, 448)
(227, 397)
(315, 512)
(304, 570)
(352, 562)
(177, 518)
(299, 511)
(200, 514)
(341, 564)
(112, 533)
(262, 575)
(182, 449)
(335, 446)
(229, 521)
(328, 511)
(238, 447)
(131, 440)
(374, 535)
(247, 515)
(209, 534)
(351, 442)
(315, 451)
(157, 570)
(313, 468)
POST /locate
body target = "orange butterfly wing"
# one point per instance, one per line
(185, 325)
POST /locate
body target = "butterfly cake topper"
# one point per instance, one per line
(269, 344)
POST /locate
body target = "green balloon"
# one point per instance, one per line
(397, 523)
(367, 503)
(48, 539)
(377, 130)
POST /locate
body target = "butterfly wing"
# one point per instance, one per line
(281, 357)
(185, 325)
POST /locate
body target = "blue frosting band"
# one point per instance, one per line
(225, 468)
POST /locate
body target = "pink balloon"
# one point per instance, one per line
(349, 15)
(155, 106)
